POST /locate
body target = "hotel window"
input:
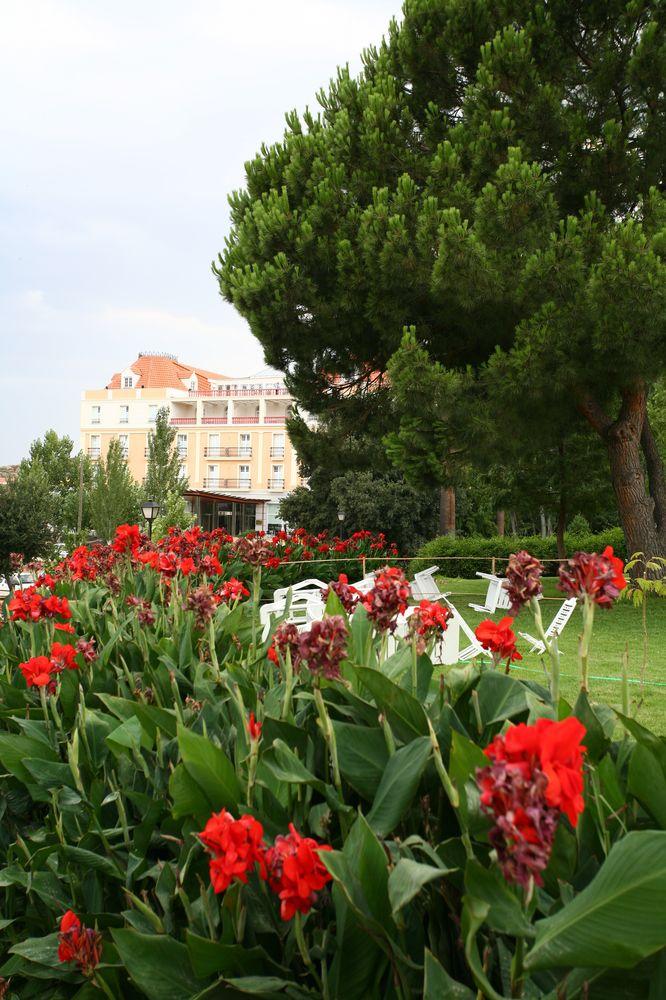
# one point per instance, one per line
(244, 448)
(95, 446)
(152, 413)
(124, 414)
(96, 415)
(124, 444)
(213, 478)
(277, 449)
(128, 382)
(244, 476)
(277, 477)
(182, 445)
(182, 469)
(214, 445)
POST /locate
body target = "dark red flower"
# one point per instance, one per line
(499, 639)
(127, 538)
(38, 671)
(203, 602)
(296, 872)
(63, 656)
(257, 551)
(599, 578)
(348, 596)
(324, 646)
(254, 728)
(79, 944)
(236, 846)
(145, 613)
(387, 599)
(86, 647)
(285, 638)
(523, 579)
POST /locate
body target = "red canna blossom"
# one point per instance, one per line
(254, 728)
(145, 613)
(387, 599)
(523, 579)
(429, 621)
(187, 566)
(499, 639)
(150, 558)
(38, 672)
(63, 656)
(127, 538)
(348, 596)
(79, 944)
(598, 578)
(536, 773)
(28, 605)
(65, 627)
(233, 590)
(255, 550)
(296, 872)
(285, 638)
(203, 602)
(15, 561)
(86, 647)
(236, 846)
(324, 646)
(54, 606)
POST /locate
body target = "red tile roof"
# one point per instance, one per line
(158, 371)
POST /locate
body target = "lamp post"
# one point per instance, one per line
(341, 519)
(150, 509)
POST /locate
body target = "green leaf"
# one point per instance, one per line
(646, 780)
(188, 798)
(407, 879)
(464, 759)
(129, 735)
(618, 918)
(506, 915)
(151, 717)
(596, 741)
(43, 950)
(15, 748)
(158, 964)
(362, 756)
(438, 985)
(403, 711)
(398, 786)
(208, 957)
(210, 767)
(90, 861)
(368, 860)
(500, 697)
(49, 774)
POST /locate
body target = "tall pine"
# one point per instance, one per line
(163, 475)
(115, 495)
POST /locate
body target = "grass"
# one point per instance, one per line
(613, 630)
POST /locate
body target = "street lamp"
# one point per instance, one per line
(150, 509)
(341, 518)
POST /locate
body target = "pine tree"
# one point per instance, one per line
(115, 496)
(493, 179)
(163, 475)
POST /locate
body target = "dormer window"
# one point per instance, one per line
(128, 379)
(128, 382)
(194, 383)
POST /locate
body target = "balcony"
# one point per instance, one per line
(123, 420)
(276, 484)
(95, 420)
(214, 420)
(214, 483)
(94, 453)
(245, 420)
(277, 420)
(277, 452)
(180, 421)
(228, 452)
(243, 391)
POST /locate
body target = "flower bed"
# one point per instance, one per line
(192, 809)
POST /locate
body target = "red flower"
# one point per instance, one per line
(429, 621)
(324, 646)
(38, 671)
(63, 656)
(254, 728)
(348, 596)
(233, 590)
(285, 638)
(187, 566)
(296, 872)
(203, 602)
(499, 639)
(151, 559)
(65, 627)
(388, 598)
(53, 606)
(79, 944)
(127, 539)
(145, 613)
(236, 845)
(599, 578)
(86, 647)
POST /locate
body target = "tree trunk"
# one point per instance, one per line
(447, 511)
(623, 442)
(501, 523)
(562, 506)
(542, 520)
(514, 523)
(656, 478)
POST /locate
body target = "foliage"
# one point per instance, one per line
(368, 501)
(163, 475)
(173, 515)
(491, 180)
(70, 481)
(115, 496)
(108, 781)
(26, 508)
(475, 553)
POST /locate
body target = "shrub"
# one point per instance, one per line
(474, 554)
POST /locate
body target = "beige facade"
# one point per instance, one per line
(231, 433)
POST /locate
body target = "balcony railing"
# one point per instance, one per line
(276, 484)
(95, 420)
(245, 420)
(228, 452)
(215, 483)
(179, 421)
(242, 391)
(94, 452)
(123, 420)
(214, 420)
(277, 452)
(276, 420)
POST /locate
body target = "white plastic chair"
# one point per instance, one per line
(303, 609)
(474, 648)
(364, 585)
(556, 627)
(424, 586)
(496, 596)
(312, 584)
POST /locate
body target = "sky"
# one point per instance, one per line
(124, 125)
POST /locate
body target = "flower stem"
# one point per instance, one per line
(552, 648)
(329, 736)
(415, 661)
(303, 949)
(584, 643)
(451, 791)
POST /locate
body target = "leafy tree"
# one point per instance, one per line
(26, 508)
(116, 496)
(163, 475)
(174, 514)
(492, 178)
(69, 476)
(369, 502)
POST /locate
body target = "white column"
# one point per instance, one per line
(230, 412)
(262, 410)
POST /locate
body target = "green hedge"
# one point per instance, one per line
(478, 551)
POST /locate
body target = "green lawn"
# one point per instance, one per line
(613, 630)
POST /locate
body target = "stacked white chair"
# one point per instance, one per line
(556, 627)
(496, 596)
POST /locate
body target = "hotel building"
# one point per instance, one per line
(231, 435)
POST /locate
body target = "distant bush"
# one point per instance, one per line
(478, 551)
